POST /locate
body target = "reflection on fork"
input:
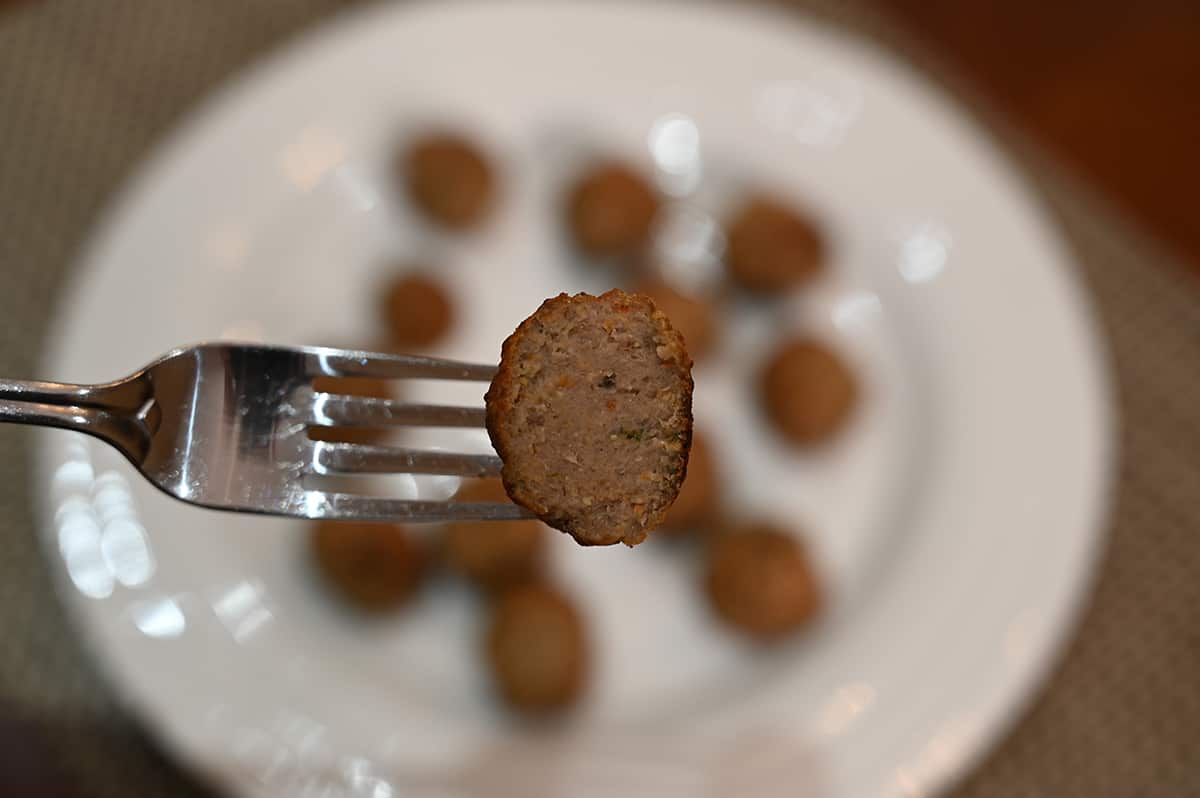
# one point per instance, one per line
(226, 426)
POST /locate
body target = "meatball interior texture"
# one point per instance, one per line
(591, 412)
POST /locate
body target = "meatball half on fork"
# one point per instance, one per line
(591, 412)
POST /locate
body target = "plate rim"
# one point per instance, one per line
(209, 106)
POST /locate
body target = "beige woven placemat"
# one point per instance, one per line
(87, 86)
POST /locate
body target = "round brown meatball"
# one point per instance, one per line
(610, 211)
(373, 566)
(537, 649)
(494, 554)
(770, 247)
(698, 504)
(351, 386)
(759, 581)
(807, 391)
(418, 311)
(591, 412)
(693, 318)
(449, 179)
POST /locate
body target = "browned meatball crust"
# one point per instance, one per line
(760, 581)
(610, 210)
(591, 412)
(537, 649)
(449, 179)
(417, 310)
(692, 317)
(698, 505)
(771, 247)
(494, 554)
(807, 391)
(375, 567)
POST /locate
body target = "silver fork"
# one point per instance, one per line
(225, 426)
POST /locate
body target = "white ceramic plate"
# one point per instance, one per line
(955, 523)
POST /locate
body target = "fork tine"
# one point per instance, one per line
(324, 361)
(358, 411)
(319, 504)
(351, 458)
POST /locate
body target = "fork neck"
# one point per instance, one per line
(110, 412)
(125, 395)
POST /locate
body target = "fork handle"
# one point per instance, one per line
(124, 432)
(124, 395)
(108, 412)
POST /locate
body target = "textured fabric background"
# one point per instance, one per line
(86, 87)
